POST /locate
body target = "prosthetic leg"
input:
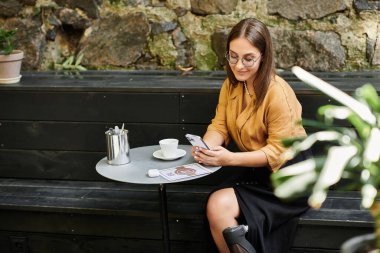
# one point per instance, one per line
(236, 241)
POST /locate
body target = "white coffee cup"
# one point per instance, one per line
(169, 147)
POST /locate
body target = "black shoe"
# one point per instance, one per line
(236, 241)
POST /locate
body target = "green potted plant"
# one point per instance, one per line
(358, 149)
(10, 59)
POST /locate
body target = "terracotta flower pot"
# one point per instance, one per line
(10, 67)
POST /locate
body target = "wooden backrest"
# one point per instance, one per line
(52, 125)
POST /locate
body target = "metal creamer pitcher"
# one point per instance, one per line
(117, 146)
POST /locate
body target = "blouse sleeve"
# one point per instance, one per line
(219, 122)
(282, 113)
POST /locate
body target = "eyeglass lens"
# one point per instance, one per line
(246, 61)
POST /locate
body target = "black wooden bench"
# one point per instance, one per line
(52, 135)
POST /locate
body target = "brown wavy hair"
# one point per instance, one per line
(258, 35)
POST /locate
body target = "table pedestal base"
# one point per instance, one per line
(164, 217)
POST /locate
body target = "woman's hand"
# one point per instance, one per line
(217, 156)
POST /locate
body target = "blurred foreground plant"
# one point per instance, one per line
(353, 153)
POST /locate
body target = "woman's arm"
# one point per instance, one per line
(249, 159)
(220, 156)
(213, 138)
(283, 111)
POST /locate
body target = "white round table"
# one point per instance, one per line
(142, 160)
(136, 172)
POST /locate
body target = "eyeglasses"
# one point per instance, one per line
(247, 61)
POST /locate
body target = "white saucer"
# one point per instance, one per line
(158, 154)
(10, 80)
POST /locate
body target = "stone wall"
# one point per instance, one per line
(323, 35)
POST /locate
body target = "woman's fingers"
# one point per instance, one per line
(208, 157)
(218, 156)
(193, 149)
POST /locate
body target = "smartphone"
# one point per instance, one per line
(196, 140)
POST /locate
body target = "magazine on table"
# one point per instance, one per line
(184, 171)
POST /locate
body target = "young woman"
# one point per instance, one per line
(256, 110)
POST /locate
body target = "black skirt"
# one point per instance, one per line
(272, 222)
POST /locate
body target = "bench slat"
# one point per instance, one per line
(89, 106)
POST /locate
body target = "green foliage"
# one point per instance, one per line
(368, 94)
(36, 11)
(352, 153)
(72, 63)
(6, 41)
(114, 1)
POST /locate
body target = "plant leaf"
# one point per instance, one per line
(287, 142)
(334, 112)
(78, 59)
(81, 68)
(301, 174)
(369, 193)
(369, 94)
(309, 141)
(331, 172)
(319, 125)
(361, 127)
(360, 109)
(333, 167)
(372, 149)
(68, 62)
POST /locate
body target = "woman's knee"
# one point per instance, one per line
(222, 203)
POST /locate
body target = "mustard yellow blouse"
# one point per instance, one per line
(262, 130)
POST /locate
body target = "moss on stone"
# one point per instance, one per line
(185, 4)
(160, 14)
(162, 47)
(274, 22)
(205, 58)
(192, 26)
(212, 23)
